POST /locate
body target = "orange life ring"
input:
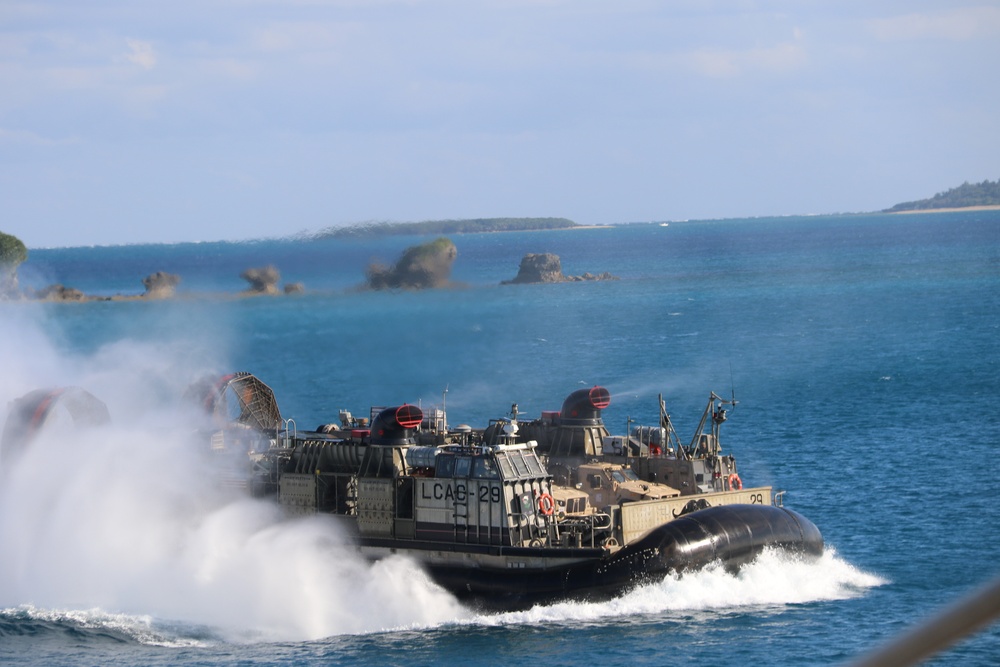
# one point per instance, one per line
(735, 483)
(546, 504)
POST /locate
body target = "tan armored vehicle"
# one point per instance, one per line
(612, 484)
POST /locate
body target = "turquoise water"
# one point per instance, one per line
(862, 349)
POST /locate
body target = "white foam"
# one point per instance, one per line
(128, 522)
(142, 628)
(776, 579)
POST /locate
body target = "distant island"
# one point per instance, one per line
(470, 226)
(966, 195)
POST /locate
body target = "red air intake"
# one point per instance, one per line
(583, 406)
(394, 426)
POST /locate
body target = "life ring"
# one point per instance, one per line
(546, 504)
(735, 483)
(654, 450)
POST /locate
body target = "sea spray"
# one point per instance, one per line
(130, 518)
(123, 531)
(775, 579)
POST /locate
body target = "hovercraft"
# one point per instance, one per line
(505, 516)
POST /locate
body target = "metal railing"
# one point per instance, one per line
(973, 613)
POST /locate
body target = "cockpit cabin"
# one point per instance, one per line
(473, 495)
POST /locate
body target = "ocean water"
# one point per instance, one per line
(863, 351)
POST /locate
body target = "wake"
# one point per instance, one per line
(773, 581)
(356, 598)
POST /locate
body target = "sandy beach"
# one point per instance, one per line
(993, 207)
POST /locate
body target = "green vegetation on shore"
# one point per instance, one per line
(470, 226)
(967, 194)
(13, 253)
(12, 250)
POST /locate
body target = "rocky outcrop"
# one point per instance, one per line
(420, 267)
(160, 285)
(265, 281)
(59, 292)
(262, 281)
(539, 268)
(547, 268)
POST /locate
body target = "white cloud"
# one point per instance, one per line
(959, 24)
(307, 35)
(27, 137)
(73, 78)
(142, 99)
(140, 53)
(229, 69)
(721, 63)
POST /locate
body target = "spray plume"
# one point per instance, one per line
(129, 517)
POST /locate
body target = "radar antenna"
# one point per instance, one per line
(668, 426)
(732, 386)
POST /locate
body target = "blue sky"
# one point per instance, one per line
(149, 121)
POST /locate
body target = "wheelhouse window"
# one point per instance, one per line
(534, 465)
(484, 468)
(520, 467)
(445, 466)
(520, 464)
(506, 469)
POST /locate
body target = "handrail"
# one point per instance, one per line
(289, 427)
(971, 614)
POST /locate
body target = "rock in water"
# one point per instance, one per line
(160, 285)
(263, 280)
(539, 268)
(420, 267)
(547, 268)
(59, 292)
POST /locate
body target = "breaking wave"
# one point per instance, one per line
(774, 580)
